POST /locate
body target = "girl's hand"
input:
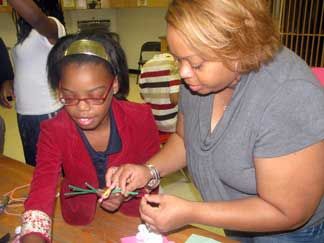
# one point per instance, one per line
(128, 177)
(163, 213)
(113, 202)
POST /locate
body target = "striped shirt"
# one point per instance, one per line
(159, 78)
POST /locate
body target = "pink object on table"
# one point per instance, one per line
(132, 239)
(319, 73)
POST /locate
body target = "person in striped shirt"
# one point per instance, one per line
(159, 87)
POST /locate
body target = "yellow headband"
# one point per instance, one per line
(87, 47)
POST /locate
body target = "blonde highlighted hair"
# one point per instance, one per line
(239, 33)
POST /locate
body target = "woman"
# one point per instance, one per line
(39, 24)
(250, 129)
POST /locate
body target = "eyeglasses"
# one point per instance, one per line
(90, 101)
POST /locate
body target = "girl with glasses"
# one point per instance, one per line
(97, 129)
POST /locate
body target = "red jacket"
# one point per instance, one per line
(60, 145)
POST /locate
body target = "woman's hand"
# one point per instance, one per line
(113, 202)
(6, 90)
(163, 213)
(128, 177)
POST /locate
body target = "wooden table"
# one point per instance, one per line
(106, 227)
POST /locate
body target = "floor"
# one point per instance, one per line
(176, 184)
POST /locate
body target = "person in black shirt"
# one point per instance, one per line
(6, 77)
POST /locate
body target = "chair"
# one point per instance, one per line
(148, 50)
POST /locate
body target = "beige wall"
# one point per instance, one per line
(138, 25)
(134, 25)
(7, 29)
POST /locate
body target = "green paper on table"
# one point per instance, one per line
(200, 239)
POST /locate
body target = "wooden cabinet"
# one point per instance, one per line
(139, 3)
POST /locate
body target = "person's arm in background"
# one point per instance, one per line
(28, 10)
(174, 86)
(174, 98)
(6, 76)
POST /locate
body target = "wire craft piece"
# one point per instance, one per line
(13, 205)
(9, 201)
(80, 191)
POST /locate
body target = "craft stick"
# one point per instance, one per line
(78, 189)
(85, 190)
(76, 193)
(117, 190)
(91, 187)
(75, 188)
(132, 193)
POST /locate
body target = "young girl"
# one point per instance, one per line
(94, 131)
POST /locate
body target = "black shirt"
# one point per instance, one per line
(6, 72)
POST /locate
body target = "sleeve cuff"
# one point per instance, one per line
(35, 221)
